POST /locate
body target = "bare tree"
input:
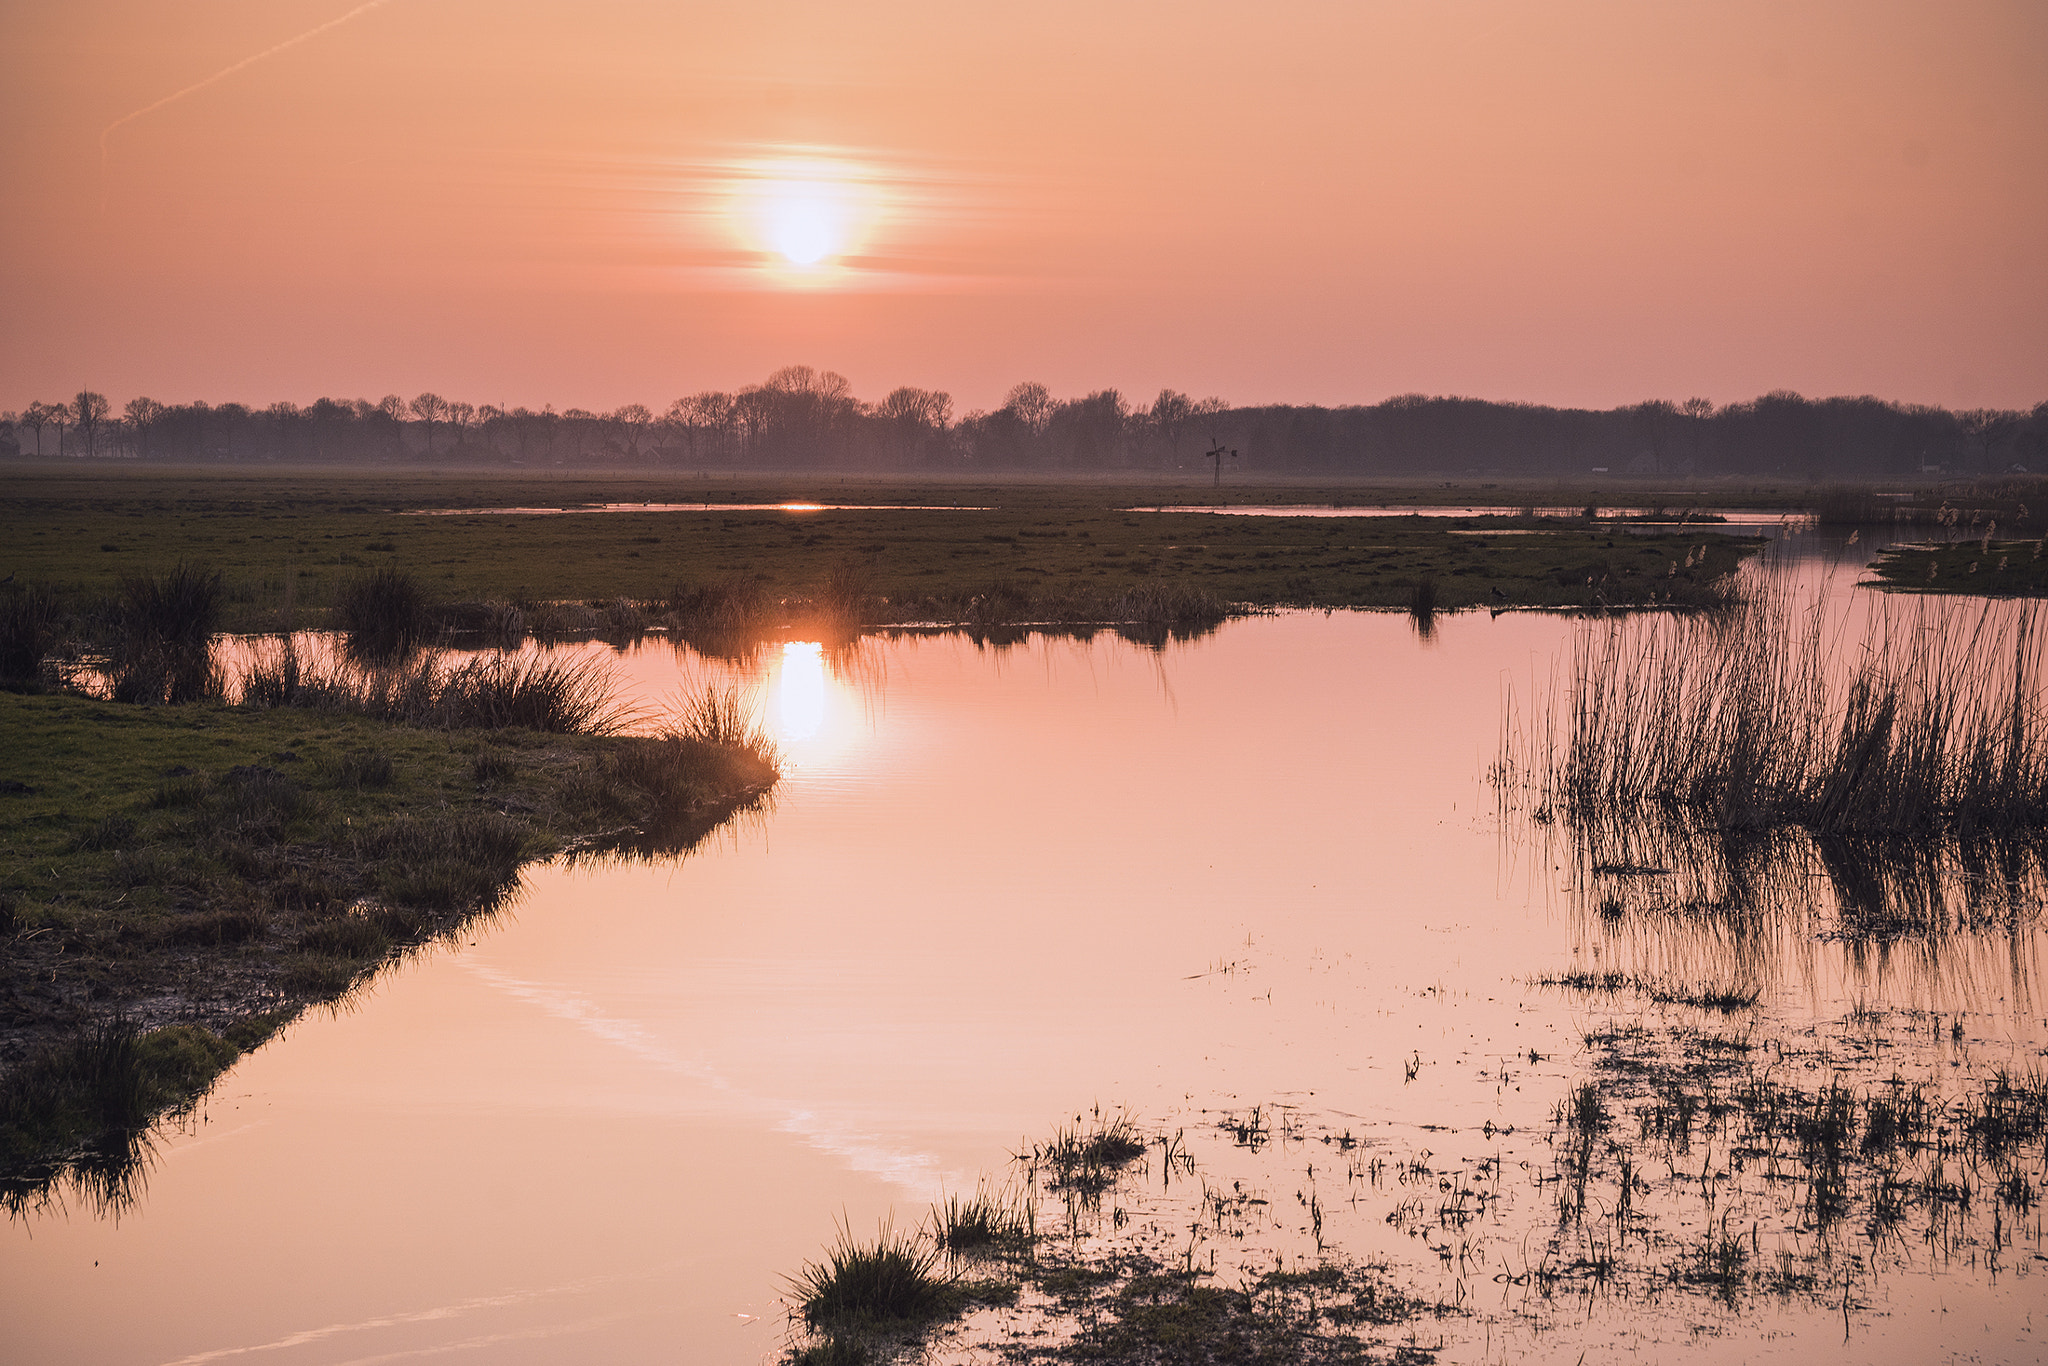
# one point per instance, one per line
(143, 415)
(916, 417)
(633, 420)
(460, 416)
(708, 416)
(1032, 403)
(429, 408)
(1987, 427)
(1653, 418)
(89, 410)
(35, 417)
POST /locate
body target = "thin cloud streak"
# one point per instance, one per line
(222, 75)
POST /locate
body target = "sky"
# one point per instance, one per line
(612, 201)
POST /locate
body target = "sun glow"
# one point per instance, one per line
(805, 215)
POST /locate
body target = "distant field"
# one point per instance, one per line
(286, 539)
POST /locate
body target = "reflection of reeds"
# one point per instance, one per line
(1422, 607)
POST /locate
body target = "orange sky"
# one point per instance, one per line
(532, 201)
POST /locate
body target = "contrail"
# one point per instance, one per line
(222, 75)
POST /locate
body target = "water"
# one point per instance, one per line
(999, 887)
(686, 507)
(1745, 521)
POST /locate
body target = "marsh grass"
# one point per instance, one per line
(560, 693)
(79, 1112)
(1086, 1157)
(1100, 1291)
(893, 1281)
(991, 1221)
(165, 624)
(31, 624)
(1675, 1125)
(1745, 721)
(726, 618)
(707, 765)
(383, 615)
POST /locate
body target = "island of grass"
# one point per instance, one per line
(177, 882)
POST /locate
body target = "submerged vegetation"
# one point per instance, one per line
(1095, 1285)
(1749, 1168)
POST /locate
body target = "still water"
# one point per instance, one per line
(997, 887)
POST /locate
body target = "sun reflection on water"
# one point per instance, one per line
(797, 694)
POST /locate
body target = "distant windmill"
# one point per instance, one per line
(1217, 455)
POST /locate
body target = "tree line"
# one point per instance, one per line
(801, 418)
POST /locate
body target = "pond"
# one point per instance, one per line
(1259, 879)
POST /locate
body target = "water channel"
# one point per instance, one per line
(1000, 886)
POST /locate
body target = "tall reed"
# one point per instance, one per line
(1751, 720)
(164, 648)
(383, 614)
(575, 694)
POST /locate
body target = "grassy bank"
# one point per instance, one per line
(177, 882)
(290, 544)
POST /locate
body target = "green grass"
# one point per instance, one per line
(290, 544)
(213, 864)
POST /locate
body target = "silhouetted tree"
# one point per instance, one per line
(142, 415)
(430, 408)
(35, 417)
(916, 417)
(89, 410)
(633, 420)
(1032, 403)
(1985, 428)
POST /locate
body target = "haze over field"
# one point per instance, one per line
(1574, 203)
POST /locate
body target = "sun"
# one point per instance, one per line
(804, 215)
(804, 223)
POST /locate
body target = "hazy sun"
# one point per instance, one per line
(808, 213)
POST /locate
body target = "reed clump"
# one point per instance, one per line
(1086, 1158)
(1744, 721)
(568, 694)
(725, 618)
(31, 624)
(987, 1222)
(892, 1281)
(383, 615)
(165, 624)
